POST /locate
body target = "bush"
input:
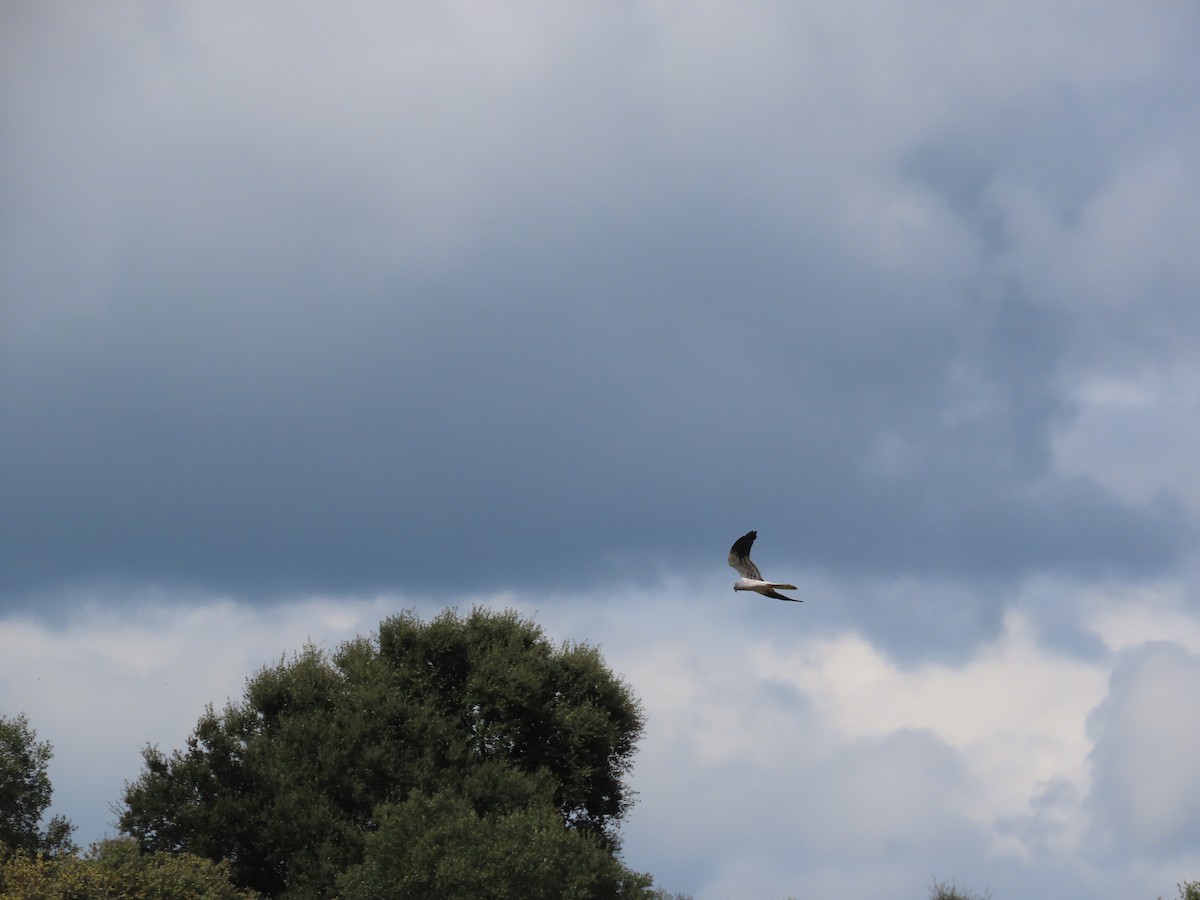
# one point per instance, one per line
(116, 870)
(943, 891)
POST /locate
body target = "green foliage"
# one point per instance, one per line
(117, 870)
(440, 847)
(325, 750)
(1189, 890)
(25, 793)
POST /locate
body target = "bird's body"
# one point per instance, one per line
(752, 580)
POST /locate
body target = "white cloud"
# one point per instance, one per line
(1013, 735)
(768, 761)
(808, 763)
(1147, 768)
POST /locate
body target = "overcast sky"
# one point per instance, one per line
(312, 313)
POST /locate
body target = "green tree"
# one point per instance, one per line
(25, 793)
(324, 750)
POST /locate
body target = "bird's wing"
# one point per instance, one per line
(739, 556)
(778, 596)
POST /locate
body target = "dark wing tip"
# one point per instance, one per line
(741, 547)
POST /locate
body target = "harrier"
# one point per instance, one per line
(752, 580)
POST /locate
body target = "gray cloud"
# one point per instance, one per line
(396, 294)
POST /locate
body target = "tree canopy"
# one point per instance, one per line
(476, 732)
(25, 793)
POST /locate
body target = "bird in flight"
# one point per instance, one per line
(752, 580)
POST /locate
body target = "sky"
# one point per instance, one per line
(311, 314)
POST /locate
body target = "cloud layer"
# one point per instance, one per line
(782, 757)
(411, 289)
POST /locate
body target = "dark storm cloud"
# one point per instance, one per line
(422, 304)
